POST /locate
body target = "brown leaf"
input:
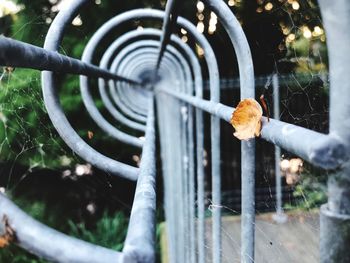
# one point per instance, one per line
(9, 235)
(246, 119)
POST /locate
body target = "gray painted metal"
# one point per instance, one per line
(246, 73)
(173, 92)
(140, 240)
(280, 216)
(55, 111)
(49, 243)
(14, 53)
(335, 215)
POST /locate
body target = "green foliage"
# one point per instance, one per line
(311, 193)
(311, 190)
(110, 231)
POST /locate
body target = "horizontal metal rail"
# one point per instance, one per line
(14, 53)
(322, 150)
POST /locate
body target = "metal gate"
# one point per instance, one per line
(155, 78)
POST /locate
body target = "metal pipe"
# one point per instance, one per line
(335, 215)
(55, 111)
(325, 151)
(246, 73)
(280, 216)
(15, 53)
(140, 240)
(169, 21)
(48, 243)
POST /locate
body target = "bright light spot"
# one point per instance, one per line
(136, 159)
(2, 190)
(200, 17)
(231, 2)
(213, 16)
(200, 51)
(295, 165)
(97, 2)
(295, 5)
(65, 160)
(83, 169)
(200, 27)
(184, 39)
(200, 6)
(9, 8)
(142, 138)
(79, 170)
(91, 208)
(211, 29)
(323, 38)
(268, 6)
(284, 164)
(66, 173)
(290, 38)
(183, 31)
(48, 20)
(306, 32)
(77, 21)
(139, 28)
(317, 31)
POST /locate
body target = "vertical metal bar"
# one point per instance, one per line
(279, 217)
(191, 185)
(246, 73)
(236, 34)
(335, 215)
(200, 184)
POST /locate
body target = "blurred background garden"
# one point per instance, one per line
(46, 179)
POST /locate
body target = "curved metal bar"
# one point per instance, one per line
(102, 84)
(55, 111)
(214, 85)
(135, 55)
(246, 74)
(101, 121)
(128, 37)
(117, 60)
(48, 243)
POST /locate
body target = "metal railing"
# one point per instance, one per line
(142, 82)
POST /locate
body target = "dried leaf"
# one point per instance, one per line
(246, 119)
(90, 135)
(9, 235)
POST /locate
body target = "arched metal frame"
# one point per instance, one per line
(138, 52)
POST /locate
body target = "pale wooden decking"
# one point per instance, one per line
(295, 241)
